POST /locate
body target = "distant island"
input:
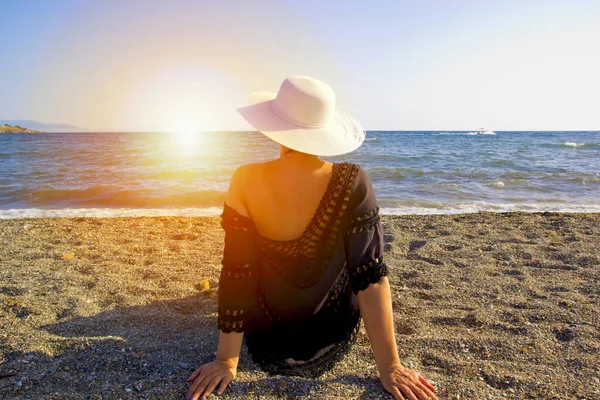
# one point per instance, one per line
(6, 128)
(41, 126)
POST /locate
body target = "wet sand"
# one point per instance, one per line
(486, 306)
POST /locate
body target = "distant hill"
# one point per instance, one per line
(42, 127)
(16, 129)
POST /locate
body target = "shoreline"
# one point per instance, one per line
(485, 305)
(215, 211)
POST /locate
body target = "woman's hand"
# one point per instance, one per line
(207, 377)
(399, 380)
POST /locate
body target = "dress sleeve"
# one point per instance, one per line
(239, 275)
(364, 236)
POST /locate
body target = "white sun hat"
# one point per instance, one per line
(302, 117)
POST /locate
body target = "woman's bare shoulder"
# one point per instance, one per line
(244, 177)
(247, 173)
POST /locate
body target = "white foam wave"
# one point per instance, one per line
(499, 184)
(574, 144)
(482, 206)
(108, 212)
(417, 209)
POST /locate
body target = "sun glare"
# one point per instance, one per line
(189, 140)
(177, 96)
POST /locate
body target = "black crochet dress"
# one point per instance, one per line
(295, 300)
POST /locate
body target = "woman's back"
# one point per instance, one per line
(282, 196)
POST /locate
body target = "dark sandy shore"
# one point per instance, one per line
(487, 306)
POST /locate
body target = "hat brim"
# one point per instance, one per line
(341, 135)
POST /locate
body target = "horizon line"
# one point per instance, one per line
(366, 130)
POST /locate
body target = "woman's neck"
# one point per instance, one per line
(296, 158)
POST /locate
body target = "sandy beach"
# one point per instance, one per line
(487, 306)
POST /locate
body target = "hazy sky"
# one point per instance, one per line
(420, 64)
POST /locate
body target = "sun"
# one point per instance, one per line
(189, 141)
(188, 135)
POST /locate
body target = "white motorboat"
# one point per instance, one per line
(485, 131)
(482, 131)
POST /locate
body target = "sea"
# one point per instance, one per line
(187, 174)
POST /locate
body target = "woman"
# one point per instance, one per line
(296, 281)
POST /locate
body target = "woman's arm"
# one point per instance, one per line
(367, 271)
(219, 372)
(224, 369)
(375, 304)
(229, 347)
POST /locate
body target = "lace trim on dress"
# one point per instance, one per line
(231, 219)
(307, 257)
(338, 172)
(334, 300)
(233, 320)
(364, 275)
(237, 271)
(363, 222)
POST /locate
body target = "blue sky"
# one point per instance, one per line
(447, 65)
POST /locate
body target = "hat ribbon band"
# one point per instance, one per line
(291, 120)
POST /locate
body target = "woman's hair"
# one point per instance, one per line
(287, 152)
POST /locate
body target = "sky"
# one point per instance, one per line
(398, 64)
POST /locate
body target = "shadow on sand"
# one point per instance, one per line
(145, 352)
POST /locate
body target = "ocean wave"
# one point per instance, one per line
(516, 175)
(541, 176)
(450, 176)
(177, 175)
(17, 154)
(393, 173)
(414, 208)
(16, 213)
(426, 208)
(439, 185)
(109, 197)
(574, 144)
